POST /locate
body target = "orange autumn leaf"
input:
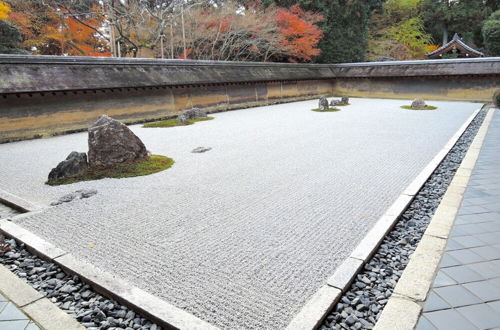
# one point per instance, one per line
(4, 10)
(299, 34)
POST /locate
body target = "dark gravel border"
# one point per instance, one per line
(68, 292)
(361, 306)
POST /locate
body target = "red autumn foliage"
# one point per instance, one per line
(56, 33)
(300, 35)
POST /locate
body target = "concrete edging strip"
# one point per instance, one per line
(405, 305)
(315, 310)
(43, 312)
(158, 310)
(17, 202)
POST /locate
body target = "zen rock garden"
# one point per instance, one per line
(262, 191)
(114, 151)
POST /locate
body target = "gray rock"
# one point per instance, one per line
(343, 101)
(79, 194)
(191, 114)
(418, 103)
(75, 163)
(182, 119)
(323, 103)
(200, 150)
(111, 143)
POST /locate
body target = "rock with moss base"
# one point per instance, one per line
(191, 114)
(112, 142)
(323, 103)
(418, 104)
(75, 163)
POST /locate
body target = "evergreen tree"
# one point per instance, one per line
(491, 34)
(444, 18)
(10, 37)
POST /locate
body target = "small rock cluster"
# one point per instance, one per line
(68, 292)
(191, 114)
(343, 101)
(418, 104)
(110, 142)
(361, 306)
(79, 194)
(323, 103)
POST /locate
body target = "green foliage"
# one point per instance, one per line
(149, 165)
(174, 122)
(10, 37)
(464, 17)
(398, 32)
(491, 34)
(399, 10)
(427, 107)
(412, 35)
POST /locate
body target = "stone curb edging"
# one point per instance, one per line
(16, 202)
(157, 310)
(322, 302)
(405, 305)
(41, 310)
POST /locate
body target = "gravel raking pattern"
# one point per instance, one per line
(68, 292)
(243, 235)
(362, 304)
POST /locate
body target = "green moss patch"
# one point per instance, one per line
(329, 110)
(173, 122)
(146, 166)
(427, 107)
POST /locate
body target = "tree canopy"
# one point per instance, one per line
(491, 34)
(321, 31)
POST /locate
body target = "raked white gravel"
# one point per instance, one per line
(242, 235)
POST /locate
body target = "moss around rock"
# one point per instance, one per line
(145, 166)
(427, 107)
(327, 110)
(174, 122)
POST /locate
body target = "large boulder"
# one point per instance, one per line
(323, 103)
(75, 163)
(111, 143)
(418, 104)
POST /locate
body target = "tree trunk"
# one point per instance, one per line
(445, 34)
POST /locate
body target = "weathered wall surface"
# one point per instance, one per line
(454, 88)
(41, 96)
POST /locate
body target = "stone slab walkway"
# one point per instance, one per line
(12, 318)
(466, 291)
